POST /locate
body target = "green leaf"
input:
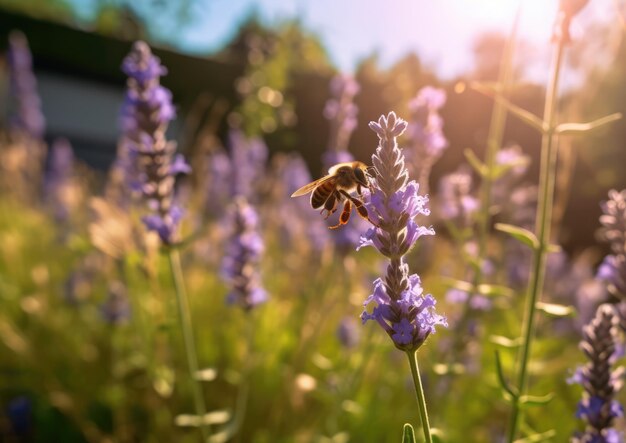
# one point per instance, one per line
(408, 434)
(554, 248)
(495, 291)
(499, 170)
(526, 116)
(581, 128)
(535, 400)
(555, 310)
(461, 285)
(537, 438)
(520, 234)
(475, 162)
(505, 342)
(510, 393)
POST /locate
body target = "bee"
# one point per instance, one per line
(327, 192)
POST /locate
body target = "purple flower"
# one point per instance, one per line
(511, 166)
(477, 301)
(247, 163)
(598, 407)
(613, 221)
(612, 271)
(28, 118)
(59, 181)
(425, 132)
(342, 114)
(150, 160)
(456, 203)
(348, 333)
(165, 225)
(341, 111)
(401, 308)
(240, 266)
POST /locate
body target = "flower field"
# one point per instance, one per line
(223, 289)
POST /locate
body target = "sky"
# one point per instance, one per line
(440, 31)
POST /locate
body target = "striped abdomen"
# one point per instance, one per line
(322, 192)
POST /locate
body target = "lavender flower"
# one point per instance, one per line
(613, 221)
(425, 133)
(612, 271)
(456, 202)
(243, 254)
(247, 160)
(28, 118)
(512, 164)
(341, 111)
(61, 192)
(402, 310)
(146, 113)
(598, 408)
(348, 333)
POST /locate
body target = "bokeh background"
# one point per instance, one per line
(264, 68)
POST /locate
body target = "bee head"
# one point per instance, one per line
(359, 173)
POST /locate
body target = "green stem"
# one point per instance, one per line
(245, 376)
(184, 315)
(419, 392)
(542, 231)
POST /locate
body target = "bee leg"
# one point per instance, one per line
(330, 205)
(345, 215)
(360, 207)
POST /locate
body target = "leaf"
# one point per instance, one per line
(537, 438)
(520, 234)
(581, 128)
(461, 285)
(408, 434)
(555, 310)
(526, 116)
(554, 248)
(475, 162)
(499, 170)
(534, 400)
(505, 342)
(495, 291)
(510, 392)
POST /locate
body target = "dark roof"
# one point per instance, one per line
(73, 52)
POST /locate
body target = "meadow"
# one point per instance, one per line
(185, 298)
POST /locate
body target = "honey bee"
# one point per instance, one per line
(327, 192)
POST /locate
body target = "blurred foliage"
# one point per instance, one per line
(57, 10)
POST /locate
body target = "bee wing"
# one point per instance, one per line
(311, 186)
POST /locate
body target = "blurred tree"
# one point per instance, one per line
(273, 58)
(121, 22)
(57, 10)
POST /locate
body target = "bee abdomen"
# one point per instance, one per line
(321, 194)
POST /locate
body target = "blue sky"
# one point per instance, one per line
(440, 31)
